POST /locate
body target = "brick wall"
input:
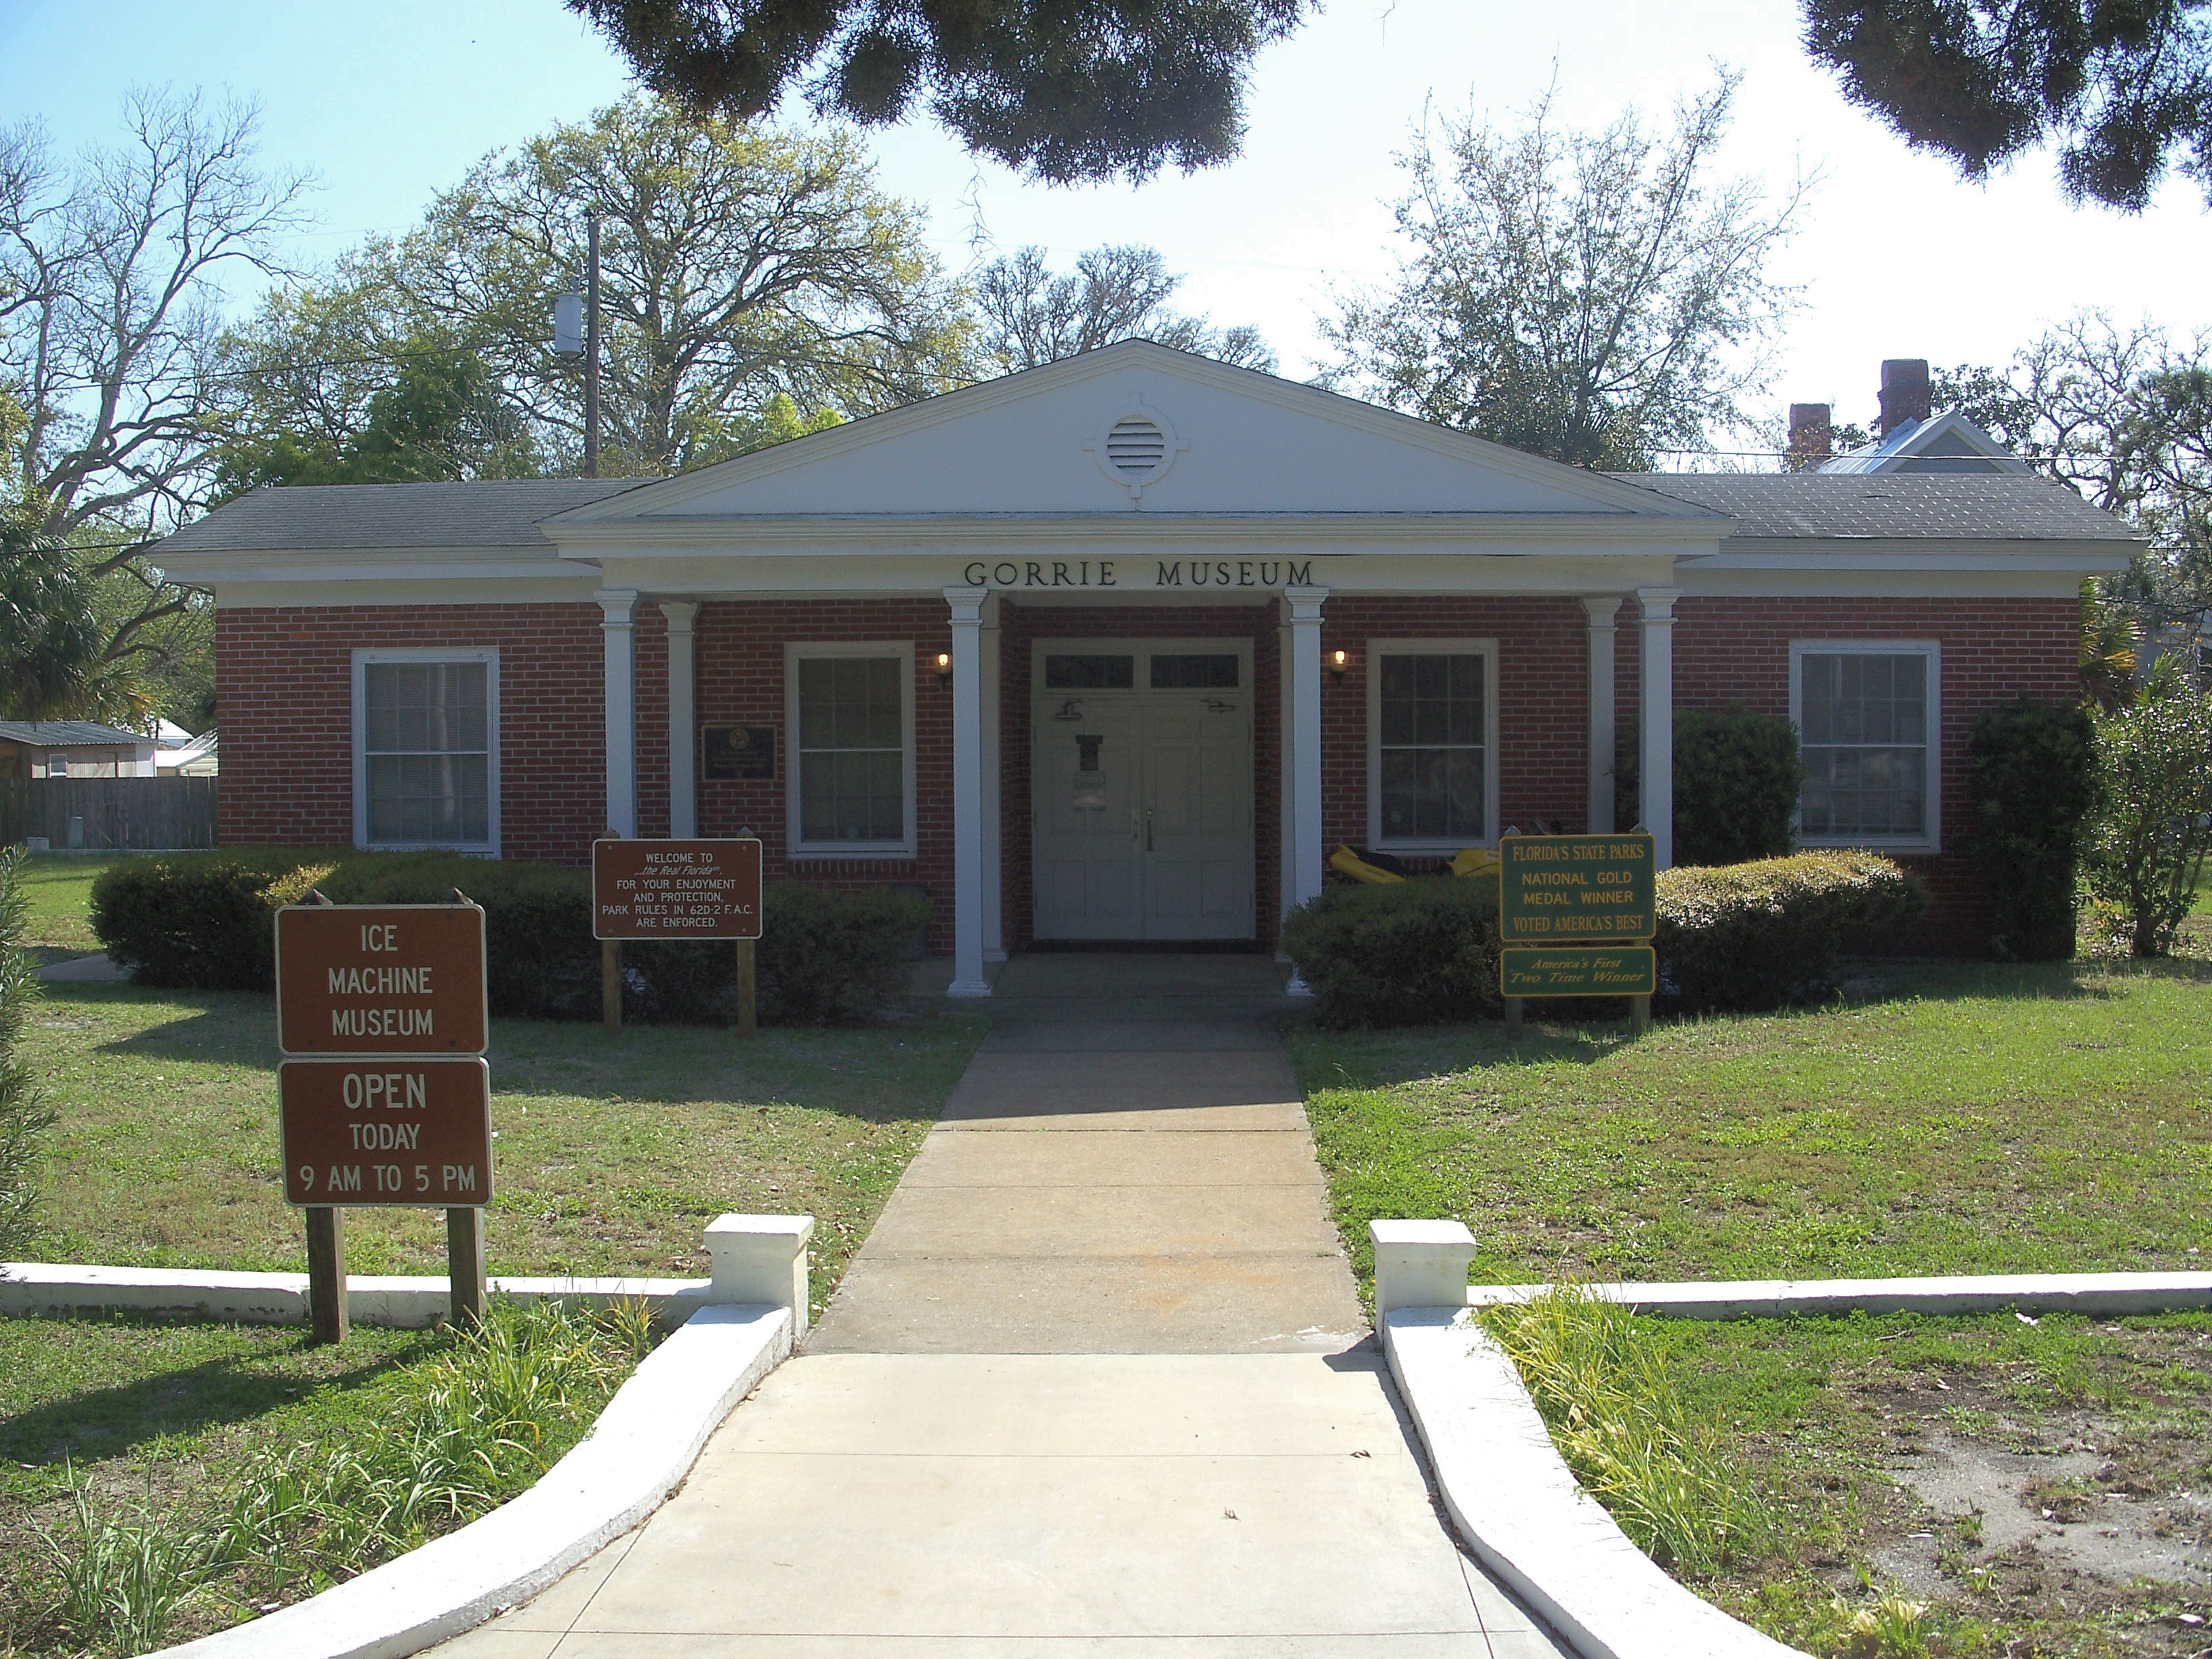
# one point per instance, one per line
(284, 684)
(1019, 626)
(740, 680)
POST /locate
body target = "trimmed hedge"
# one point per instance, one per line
(2032, 770)
(1737, 777)
(204, 922)
(1765, 934)
(1407, 953)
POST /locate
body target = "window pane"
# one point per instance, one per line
(1091, 674)
(427, 727)
(1210, 672)
(1432, 722)
(852, 744)
(1865, 736)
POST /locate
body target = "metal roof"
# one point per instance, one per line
(57, 734)
(1890, 506)
(480, 513)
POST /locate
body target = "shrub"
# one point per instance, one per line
(21, 1119)
(2153, 819)
(828, 956)
(199, 921)
(1408, 953)
(1760, 935)
(1737, 777)
(2030, 769)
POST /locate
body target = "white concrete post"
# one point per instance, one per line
(967, 979)
(682, 730)
(994, 923)
(761, 1258)
(1286, 834)
(1421, 1264)
(1601, 611)
(1655, 765)
(617, 605)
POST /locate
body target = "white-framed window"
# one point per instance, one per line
(1432, 743)
(426, 749)
(849, 710)
(1868, 720)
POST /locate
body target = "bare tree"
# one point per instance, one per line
(111, 269)
(1595, 297)
(1115, 293)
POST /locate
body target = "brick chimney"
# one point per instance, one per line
(1903, 393)
(1812, 436)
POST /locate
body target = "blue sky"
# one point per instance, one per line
(388, 102)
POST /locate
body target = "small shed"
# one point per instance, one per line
(73, 749)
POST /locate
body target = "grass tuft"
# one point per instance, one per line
(1608, 1396)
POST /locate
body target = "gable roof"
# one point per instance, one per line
(1902, 506)
(481, 513)
(1950, 443)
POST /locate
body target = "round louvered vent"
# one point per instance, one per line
(1136, 447)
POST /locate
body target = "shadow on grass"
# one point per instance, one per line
(105, 1423)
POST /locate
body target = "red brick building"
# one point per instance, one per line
(1118, 649)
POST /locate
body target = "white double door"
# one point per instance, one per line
(1141, 790)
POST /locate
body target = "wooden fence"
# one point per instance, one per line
(133, 815)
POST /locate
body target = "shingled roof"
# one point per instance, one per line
(1890, 506)
(483, 513)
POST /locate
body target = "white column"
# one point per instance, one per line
(1305, 604)
(683, 732)
(1287, 836)
(617, 604)
(1655, 765)
(967, 604)
(994, 923)
(1601, 612)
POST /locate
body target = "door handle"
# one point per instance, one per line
(1136, 833)
(1148, 829)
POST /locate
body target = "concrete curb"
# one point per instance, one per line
(637, 1454)
(1520, 1510)
(44, 1287)
(1770, 1298)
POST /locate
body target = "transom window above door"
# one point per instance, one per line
(1432, 746)
(1094, 670)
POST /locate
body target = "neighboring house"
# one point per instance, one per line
(181, 755)
(73, 749)
(1119, 648)
(1908, 436)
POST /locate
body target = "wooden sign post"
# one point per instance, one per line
(666, 889)
(384, 1095)
(1569, 908)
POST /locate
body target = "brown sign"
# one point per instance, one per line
(675, 888)
(380, 979)
(410, 1131)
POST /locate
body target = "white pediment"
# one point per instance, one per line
(1134, 429)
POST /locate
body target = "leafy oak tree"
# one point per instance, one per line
(739, 266)
(1029, 316)
(2124, 89)
(1598, 297)
(1061, 89)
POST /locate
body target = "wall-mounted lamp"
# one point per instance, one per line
(1338, 662)
(944, 667)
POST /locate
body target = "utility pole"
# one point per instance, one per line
(592, 348)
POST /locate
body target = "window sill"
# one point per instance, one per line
(1865, 844)
(848, 854)
(1432, 849)
(470, 849)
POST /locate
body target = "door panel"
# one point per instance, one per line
(1142, 813)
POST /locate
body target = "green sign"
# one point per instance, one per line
(1565, 888)
(1578, 970)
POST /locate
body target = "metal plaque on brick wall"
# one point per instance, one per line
(742, 752)
(1565, 888)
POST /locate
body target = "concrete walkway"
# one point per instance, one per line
(1097, 1383)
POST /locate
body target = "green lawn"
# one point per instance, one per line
(611, 1152)
(59, 886)
(1964, 1118)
